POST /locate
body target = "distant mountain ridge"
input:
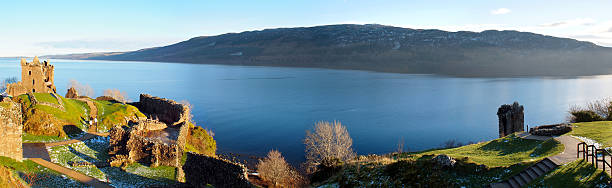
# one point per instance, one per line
(387, 49)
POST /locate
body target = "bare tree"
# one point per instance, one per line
(117, 95)
(328, 144)
(6, 81)
(400, 145)
(82, 89)
(276, 170)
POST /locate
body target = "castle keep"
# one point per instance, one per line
(36, 77)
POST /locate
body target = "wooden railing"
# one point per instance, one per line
(596, 155)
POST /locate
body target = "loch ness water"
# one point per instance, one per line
(252, 110)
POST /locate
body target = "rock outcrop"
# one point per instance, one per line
(201, 170)
(72, 93)
(551, 130)
(444, 160)
(11, 130)
(511, 119)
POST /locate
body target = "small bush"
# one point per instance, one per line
(82, 89)
(585, 116)
(329, 145)
(276, 170)
(201, 141)
(117, 95)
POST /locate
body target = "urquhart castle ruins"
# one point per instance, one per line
(36, 77)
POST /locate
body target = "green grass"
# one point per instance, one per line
(46, 97)
(111, 114)
(48, 177)
(575, 174)
(600, 131)
(503, 151)
(29, 138)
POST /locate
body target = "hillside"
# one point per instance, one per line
(386, 49)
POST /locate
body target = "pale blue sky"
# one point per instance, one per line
(56, 27)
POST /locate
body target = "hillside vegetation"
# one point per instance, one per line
(386, 49)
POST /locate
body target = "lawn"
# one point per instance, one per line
(94, 150)
(46, 97)
(575, 174)
(599, 131)
(503, 151)
(44, 177)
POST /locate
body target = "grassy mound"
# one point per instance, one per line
(477, 165)
(60, 121)
(8, 178)
(200, 141)
(600, 131)
(113, 113)
(575, 174)
(503, 151)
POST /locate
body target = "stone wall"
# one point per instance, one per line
(511, 119)
(135, 144)
(10, 130)
(200, 170)
(551, 130)
(167, 111)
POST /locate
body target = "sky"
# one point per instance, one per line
(29, 28)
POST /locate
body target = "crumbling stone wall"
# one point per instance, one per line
(167, 111)
(200, 170)
(11, 130)
(128, 145)
(36, 77)
(511, 119)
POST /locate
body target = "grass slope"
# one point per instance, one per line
(575, 174)
(503, 151)
(111, 114)
(599, 131)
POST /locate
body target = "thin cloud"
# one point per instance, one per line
(500, 11)
(572, 22)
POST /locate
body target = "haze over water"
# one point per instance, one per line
(254, 109)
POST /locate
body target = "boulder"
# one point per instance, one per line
(72, 93)
(444, 160)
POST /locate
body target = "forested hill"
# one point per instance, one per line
(388, 49)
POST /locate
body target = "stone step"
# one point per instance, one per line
(543, 167)
(537, 170)
(532, 174)
(526, 177)
(513, 183)
(519, 180)
(549, 163)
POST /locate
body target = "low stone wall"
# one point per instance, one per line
(167, 111)
(551, 130)
(201, 170)
(11, 129)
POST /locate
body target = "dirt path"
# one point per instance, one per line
(37, 152)
(71, 173)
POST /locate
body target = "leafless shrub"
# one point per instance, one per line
(117, 95)
(276, 170)
(188, 105)
(6, 81)
(601, 107)
(82, 89)
(452, 143)
(400, 145)
(329, 144)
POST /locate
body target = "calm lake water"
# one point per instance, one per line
(254, 109)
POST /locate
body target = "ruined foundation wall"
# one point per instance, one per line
(10, 130)
(167, 111)
(511, 119)
(200, 170)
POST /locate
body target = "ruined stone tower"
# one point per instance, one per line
(511, 119)
(36, 77)
(11, 130)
